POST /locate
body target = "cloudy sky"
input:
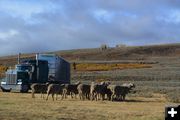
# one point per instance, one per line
(49, 25)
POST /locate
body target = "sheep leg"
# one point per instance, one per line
(112, 97)
(83, 96)
(56, 96)
(123, 97)
(75, 96)
(62, 97)
(33, 96)
(71, 95)
(91, 96)
(87, 96)
(80, 95)
(108, 96)
(47, 96)
(99, 96)
(64, 94)
(103, 96)
(42, 95)
(53, 96)
(118, 97)
(96, 96)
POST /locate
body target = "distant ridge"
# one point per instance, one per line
(115, 53)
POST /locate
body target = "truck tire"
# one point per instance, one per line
(24, 88)
(5, 90)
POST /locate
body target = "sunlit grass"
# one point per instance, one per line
(21, 106)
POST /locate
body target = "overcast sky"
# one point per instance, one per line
(50, 25)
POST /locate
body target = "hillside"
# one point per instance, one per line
(109, 54)
(124, 53)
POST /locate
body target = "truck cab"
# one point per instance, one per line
(45, 68)
(24, 74)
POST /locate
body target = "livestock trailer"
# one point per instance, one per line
(59, 68)
(45, 68)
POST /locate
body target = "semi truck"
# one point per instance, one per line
(46, 68)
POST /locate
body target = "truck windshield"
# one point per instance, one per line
(24, 67)
(22, 75)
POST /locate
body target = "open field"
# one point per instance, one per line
(21, 106)
(155, 70)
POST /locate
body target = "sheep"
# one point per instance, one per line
(95, 90)
(98, 90)
(54, 89)
(38, 88)
(115, 90)
(119, 91)
(127, 88)
(83, 91)
(108, 93)
(70, 89)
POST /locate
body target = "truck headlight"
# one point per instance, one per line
(3, 83)
(19, 81)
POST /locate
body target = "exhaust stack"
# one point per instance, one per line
(37, 56)
(19, 57)
(37, 65)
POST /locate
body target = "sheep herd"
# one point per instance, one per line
(94, 91)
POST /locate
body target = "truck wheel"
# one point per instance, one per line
(5, 90)
(24, 88)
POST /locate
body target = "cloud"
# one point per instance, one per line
(8, 34)
(173, 16)
(48, 25)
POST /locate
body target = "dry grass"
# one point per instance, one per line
(109, 66)
(2, 70)
(21, 106)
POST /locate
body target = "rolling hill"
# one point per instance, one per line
(109, 54)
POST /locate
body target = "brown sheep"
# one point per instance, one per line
(38, 88)
(115, 90)
(119, 92)
(127, 89)
(84, 91)
(54, 89)
(70, 89)
(98, 90)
